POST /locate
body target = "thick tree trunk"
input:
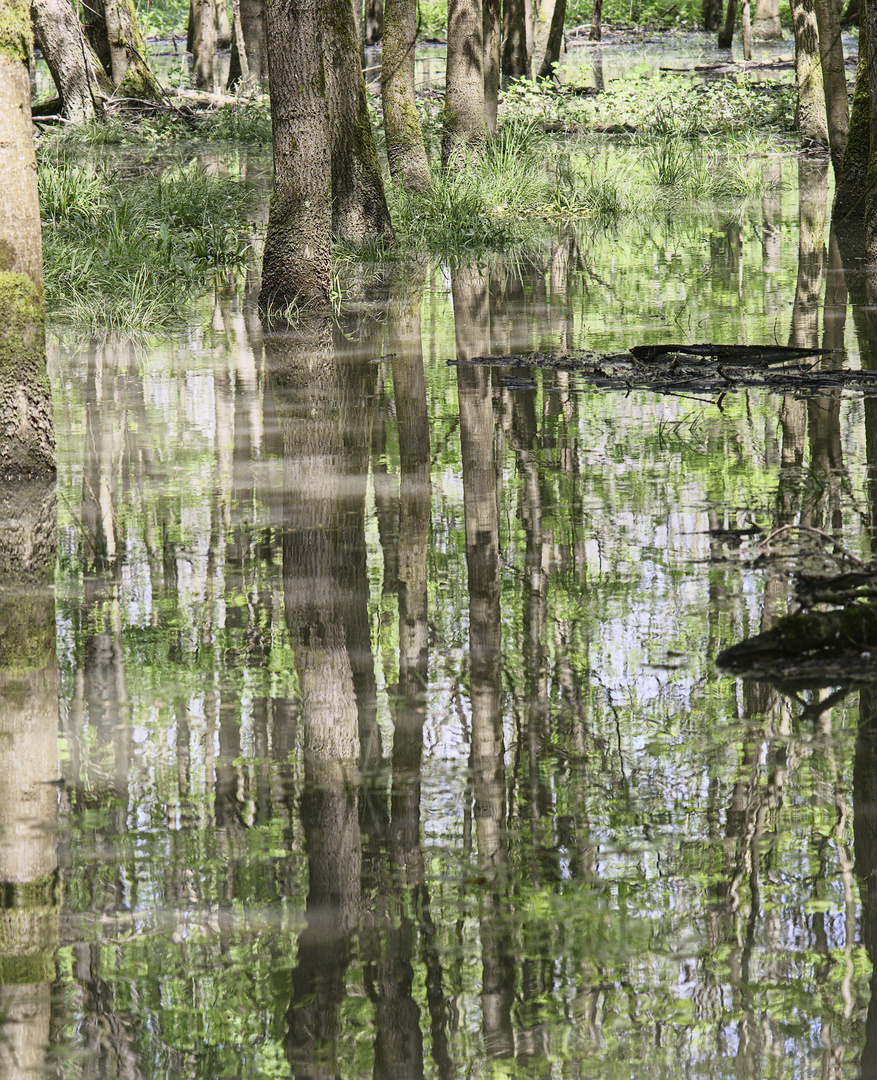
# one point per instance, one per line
(811, 120)
(851, 179)
(359, 205)
(711, 15)
(406, 152)
(295, 264)
(112, 30)
(834, 78)
(253, 28)
(61, 40)
(27, 440)
(517, 59)
(465, 130)
(766, 25)
(554, 43)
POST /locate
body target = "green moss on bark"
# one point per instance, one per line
(16, 36)
(849, 198)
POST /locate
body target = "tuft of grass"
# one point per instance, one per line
(122, 252)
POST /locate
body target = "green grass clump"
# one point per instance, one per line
(129, 252)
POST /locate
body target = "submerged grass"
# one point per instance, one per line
(129, 252)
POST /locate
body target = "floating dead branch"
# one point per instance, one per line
(702, 369)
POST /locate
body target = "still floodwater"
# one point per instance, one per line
(384, 698)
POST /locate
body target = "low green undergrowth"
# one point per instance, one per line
(128, 252)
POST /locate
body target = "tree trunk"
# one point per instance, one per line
(203, 16)
(711, 15)
(27, 443)
(112, 30)
(810, 116)
(834, 78)
(516, 58)
(464, 131)
(253, 28)
(726, 34)
(492, 30)
(766, 25)
(359, 205)
(295, 264)
(596, 31)
(554, 43)
(375, 17)
(61, 40)
(851, 180)
(868, 32)
(746, 30)
(406, 152)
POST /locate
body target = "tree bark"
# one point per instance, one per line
(554, 44)
(711, 15)
(517, 59)
(851, 179)
(766, 25)
(253, 28)
(359, 205)
(465, 131)
(834, 78)
(112, 30)
(202, 15)
(492, 30)
(811, 120)
(726, 33)
(406, 151)
(295, 264)
(27, 438)
(746, 29)
(61, 40)
(868, 32)
(375, 17)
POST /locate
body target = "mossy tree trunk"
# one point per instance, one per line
(406, 152)
(868, 33)
(359, 205)
(850, 179)
(114, 34)
(810, 115)
(27, 439)
(465, 130)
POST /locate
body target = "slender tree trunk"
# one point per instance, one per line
(746, 29)
(726, 33)
(596, 31)
(295, 264)
(834, 78)
(554, 44)
(241, 46)
(203, 15)
(406, 152)
(851, 180)
(465, 130)
(61, 40)
(811, 120)
(359, 206)
(766, 25)
(27, 438)
(516, 58)
(868, 32)
(253, 29)
(492, 29)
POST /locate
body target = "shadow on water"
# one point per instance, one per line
(383, 689)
